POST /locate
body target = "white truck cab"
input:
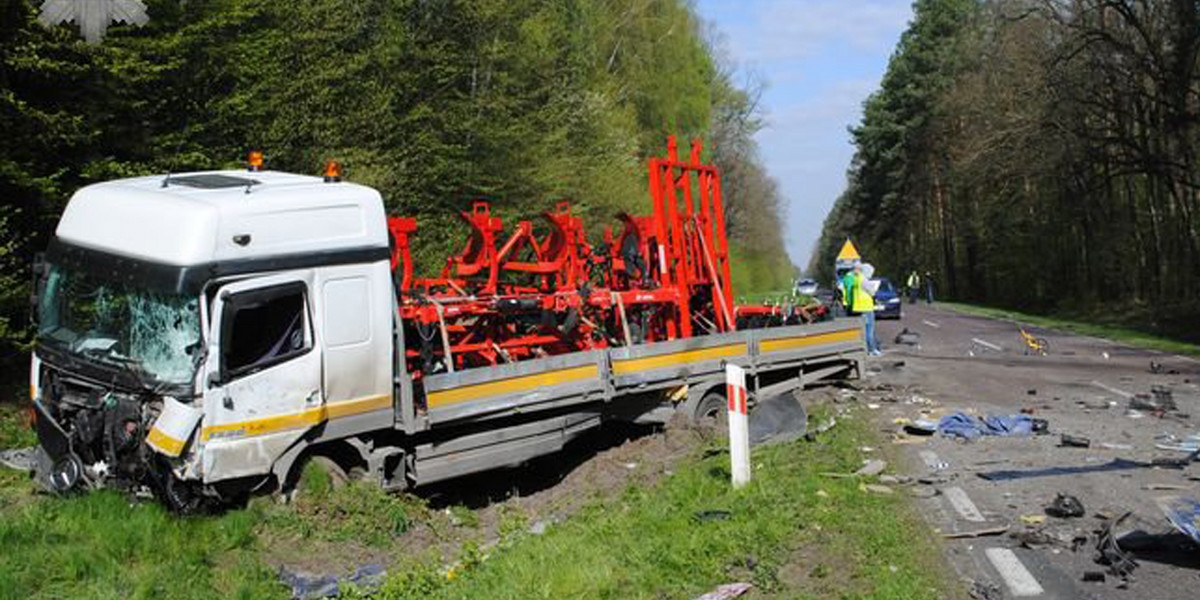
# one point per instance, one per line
(249, 306)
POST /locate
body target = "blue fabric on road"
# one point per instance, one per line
(970, 427)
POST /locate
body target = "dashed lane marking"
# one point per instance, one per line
(1112, 390)
(931, 324)
(962, 503)
(1020, 581)
(987, 344)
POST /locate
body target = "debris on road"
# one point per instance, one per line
(1183, 513)
(984, 590)
(955, 535)
(1033, 519)
(1109, 553)
(1065, 506)
(970, 427)
(908, 338)
(1093, 576)
(1073, 441)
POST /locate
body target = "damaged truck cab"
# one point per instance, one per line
(218, 317)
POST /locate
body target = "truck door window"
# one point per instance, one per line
(263, 327)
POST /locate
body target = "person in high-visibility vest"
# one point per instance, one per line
(860, 301)
(914, 287)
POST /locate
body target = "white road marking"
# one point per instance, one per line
(931, 324)
(987, 344)
(1020, 581)
(932, 461)
(1112, 390)
(962, 503)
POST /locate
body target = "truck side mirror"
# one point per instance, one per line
(38, 285)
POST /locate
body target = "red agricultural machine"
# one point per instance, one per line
(541, 291)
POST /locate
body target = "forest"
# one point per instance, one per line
(1038, 155)
(433, 102)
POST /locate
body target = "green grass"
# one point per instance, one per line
(646, 543)
(1116, 333)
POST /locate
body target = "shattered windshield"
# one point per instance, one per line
(151, 333)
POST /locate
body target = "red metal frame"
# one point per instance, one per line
(664, 276)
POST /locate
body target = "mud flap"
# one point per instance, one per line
(777, 419)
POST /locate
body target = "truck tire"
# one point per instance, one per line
(315, 474)
(712, 409)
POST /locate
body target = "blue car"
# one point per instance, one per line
(887, 300)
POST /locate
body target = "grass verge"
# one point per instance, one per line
(1115, 333)
(654, 543)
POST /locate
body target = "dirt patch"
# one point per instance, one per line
(482, 510)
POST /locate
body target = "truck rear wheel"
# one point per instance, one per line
(712, 409)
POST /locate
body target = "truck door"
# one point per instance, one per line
(263, 389)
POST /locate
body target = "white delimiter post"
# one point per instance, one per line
(739, 424)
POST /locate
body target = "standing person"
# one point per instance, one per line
(914, 286)
(928, 287)
(846, 286)
(863, 303)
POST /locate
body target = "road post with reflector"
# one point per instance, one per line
(739, 424)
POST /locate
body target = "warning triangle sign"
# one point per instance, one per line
(849, 252)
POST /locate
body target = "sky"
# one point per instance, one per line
(820, 59)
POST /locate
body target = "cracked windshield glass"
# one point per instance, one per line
(150, 332)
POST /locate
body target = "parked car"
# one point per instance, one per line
(806, 287)
(887, 300)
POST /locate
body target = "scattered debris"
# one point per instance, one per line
(822, 494)
(1073, 441)
(1183, 513)
(871, 468)
(970, 427)
(1158, 402)
(984, 590)
(921, 427)
(975, 533)
(308, 586)
(908, 338)
(895, 479)
(726, 591)
(1033, 519)
(1065, 506)
(1188, 444)
(1109, 552)
(1110, 446)
(19, 459)
(1093, 576)
(822, 428)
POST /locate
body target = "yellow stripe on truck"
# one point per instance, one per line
(635, 365)
(297, 420)
(164, 443)
(512, 385)
(792, 343)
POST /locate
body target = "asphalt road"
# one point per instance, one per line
(1083, 388)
